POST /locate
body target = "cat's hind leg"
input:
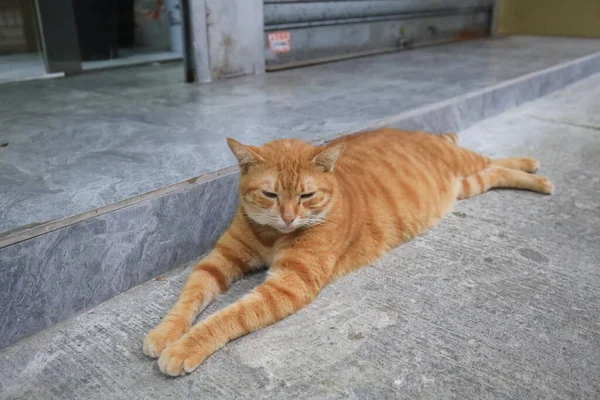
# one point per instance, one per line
(495, 176)
(526, 164)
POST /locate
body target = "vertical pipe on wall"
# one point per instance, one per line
(190, 74)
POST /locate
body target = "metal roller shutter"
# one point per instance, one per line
(308, 31)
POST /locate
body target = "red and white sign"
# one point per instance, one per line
(280, 42)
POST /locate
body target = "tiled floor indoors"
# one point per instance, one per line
(79, 143)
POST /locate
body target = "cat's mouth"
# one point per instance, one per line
(286, 229)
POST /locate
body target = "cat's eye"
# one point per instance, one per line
(305, 196)
(270, 195)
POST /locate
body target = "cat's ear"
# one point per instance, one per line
(325, 160)
(246, 155)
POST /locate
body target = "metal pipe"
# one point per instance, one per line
(189, 64)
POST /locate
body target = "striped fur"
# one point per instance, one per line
(316, 213)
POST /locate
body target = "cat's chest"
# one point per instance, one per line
(264, 252)
(268, 254)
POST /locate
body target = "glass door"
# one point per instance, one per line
(82, 35)
(20, 50)
(126, 32)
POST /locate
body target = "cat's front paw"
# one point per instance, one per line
(544, 185)
(164, 334)
(182, 357)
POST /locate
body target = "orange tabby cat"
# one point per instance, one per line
(316, 213)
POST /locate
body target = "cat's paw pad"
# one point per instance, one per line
(161, 336)
(544, 185)
(182, 357)
(530, 165)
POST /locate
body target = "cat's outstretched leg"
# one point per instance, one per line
(213, 275)
(526, 164)
(500, 177)
(292, 284)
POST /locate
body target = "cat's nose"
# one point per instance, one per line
(288, 218)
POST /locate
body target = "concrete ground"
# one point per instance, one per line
(500, 300)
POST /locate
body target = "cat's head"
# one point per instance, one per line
(286, 184)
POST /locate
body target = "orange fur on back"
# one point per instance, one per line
(316, 213)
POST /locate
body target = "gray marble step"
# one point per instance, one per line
(63, 267)
(90, 141)
(501, 300)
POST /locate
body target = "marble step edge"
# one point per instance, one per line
(58, 270)
(36, 229)
(415, 117)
